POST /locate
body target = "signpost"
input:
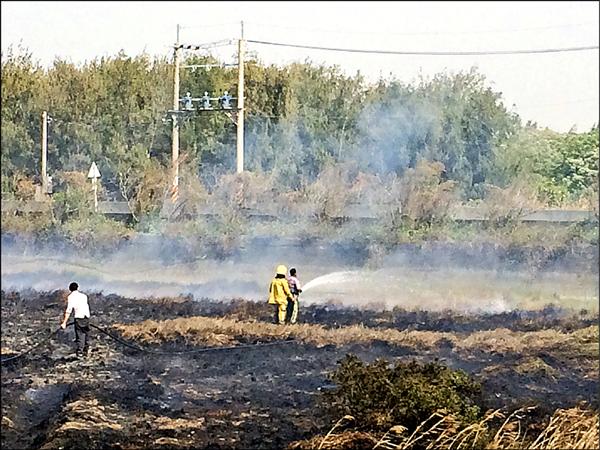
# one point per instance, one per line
(94, 174)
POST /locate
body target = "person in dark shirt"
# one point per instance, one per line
(295, 289)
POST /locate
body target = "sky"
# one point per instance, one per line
(556, 90)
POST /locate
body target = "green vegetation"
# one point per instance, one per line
(430, 406)
(559, 167)
(379, 396)
(317, 141)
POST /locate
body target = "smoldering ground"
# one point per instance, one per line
(412, 277)
(257, 398)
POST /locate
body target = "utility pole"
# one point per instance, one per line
(175, 132)
(240, 105)
(44, 152)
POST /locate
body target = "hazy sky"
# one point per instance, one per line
(557, 90)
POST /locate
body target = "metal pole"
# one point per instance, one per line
(175, 130)
(44, 151)
(240, 107)
(95, 187)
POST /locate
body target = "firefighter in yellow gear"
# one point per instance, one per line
(279, 293)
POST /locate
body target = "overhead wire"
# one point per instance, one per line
(209, 45)
(427, 53)
(216, 25)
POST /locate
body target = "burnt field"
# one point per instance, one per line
(264, 397)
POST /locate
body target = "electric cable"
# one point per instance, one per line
(428, 53)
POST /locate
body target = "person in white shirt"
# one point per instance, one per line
(78, 303)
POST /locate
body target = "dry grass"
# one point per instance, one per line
(225, 331)
(90, 416)
(347, 440)
(169, 442)
(166, 423)
(219, 331)
(575, 428)
(504, 340)
(535, 366)
(7, 422)
(98, 421)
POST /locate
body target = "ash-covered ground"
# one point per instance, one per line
(257, 398)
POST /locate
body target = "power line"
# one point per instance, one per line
(425, 53)
(216, 25)
(421, 33)
(209, 45)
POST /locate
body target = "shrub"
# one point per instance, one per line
(74, 199)
(143, 183)
(329, 195)
(380, 396)
(30, 227)
(505, 207)
(24, 187)
(419, 198)
(424, 196)
(244, 191)
(95, 233)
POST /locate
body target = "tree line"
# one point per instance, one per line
(302, 119)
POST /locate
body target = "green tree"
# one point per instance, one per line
(560, 167)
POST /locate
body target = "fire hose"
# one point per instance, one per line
(155, 352)
(11, 358)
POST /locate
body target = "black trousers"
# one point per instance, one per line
(82, 334)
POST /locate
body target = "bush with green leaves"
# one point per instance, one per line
(560, 167)
(380, 395)
(95, 233)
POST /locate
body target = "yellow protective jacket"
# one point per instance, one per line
(279, 291)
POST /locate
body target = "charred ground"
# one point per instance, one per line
(265, 397)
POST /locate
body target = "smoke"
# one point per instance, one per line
(409, 279)
(154, 266)
(390, 136)
(394, 134)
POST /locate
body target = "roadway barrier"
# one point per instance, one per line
(352, 212)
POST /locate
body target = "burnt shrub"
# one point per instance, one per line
(379, 395)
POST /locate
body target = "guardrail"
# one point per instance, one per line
(352, 212)
(116, 208)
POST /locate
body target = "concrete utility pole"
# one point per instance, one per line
(44, 152)
(240, 105)
(175, 133)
